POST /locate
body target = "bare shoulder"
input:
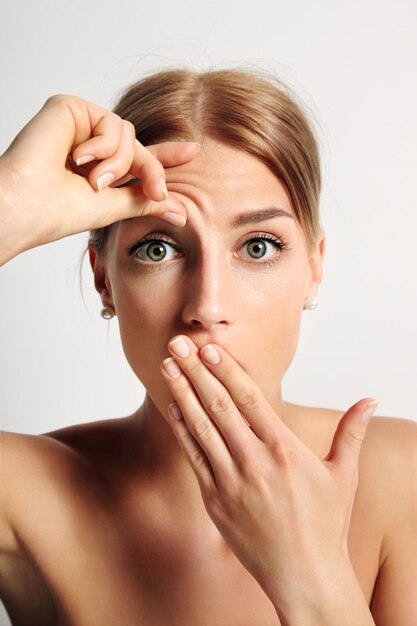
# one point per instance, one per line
(30, 467)
(392, 450)
(22, 453)
(66, 463)
(395, 430)
(36, 470)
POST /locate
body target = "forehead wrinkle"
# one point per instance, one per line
(244, 216)
(220, 174)
(218, 179)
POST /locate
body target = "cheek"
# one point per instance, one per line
(142, 303)
(276, 321)
(278, 331)
(145, 319)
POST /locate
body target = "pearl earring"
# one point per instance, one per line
(312, 303)
(106, 313)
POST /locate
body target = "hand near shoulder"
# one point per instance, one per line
(55, 176)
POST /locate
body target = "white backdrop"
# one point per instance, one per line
(355, 66)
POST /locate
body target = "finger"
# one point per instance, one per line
(150, 171)
(194, 454)
(171, 153)
(203, 429)
(350, 433)
(105, 140)
(118, 163)
(129, 202)
(149, 162)
(172, 210)
(214, 397)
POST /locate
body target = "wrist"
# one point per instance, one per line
(324, 597)
(17, 233)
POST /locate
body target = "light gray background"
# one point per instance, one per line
(354, 64)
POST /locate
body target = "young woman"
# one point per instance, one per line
(247, 510)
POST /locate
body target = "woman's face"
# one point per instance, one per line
(240, 285)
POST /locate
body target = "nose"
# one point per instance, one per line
(209, 294)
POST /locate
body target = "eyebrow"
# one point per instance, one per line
(253, 217)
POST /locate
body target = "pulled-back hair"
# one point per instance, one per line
(251, 110)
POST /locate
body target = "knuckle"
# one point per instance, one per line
(130, 129)
(354, 438)
(195, 453)
(283, 452)
(185, 436)
(62, 101)
(113, 117)
(56, 98)
(197, 457)
(248, 399)
(219, 405)
(203, 429)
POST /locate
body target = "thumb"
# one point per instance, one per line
(350, 433)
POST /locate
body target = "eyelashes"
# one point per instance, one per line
(279, 244)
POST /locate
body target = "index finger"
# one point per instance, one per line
(246, 395)
(149, 161)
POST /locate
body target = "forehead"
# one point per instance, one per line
(224, 173)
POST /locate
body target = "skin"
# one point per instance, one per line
(120, 506)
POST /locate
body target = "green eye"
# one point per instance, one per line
(151, 250)
(156, 249)
(258, 247)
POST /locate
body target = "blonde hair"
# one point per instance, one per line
(251, 110)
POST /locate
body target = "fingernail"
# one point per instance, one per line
(104, 180)
(163, 188)
(85, 159)
(180, 347)
(171, 368)
(174, 410)
(210, 354)
(369, 410)
(174, 218)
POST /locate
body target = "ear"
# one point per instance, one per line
(101, 281)
(316, 265)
